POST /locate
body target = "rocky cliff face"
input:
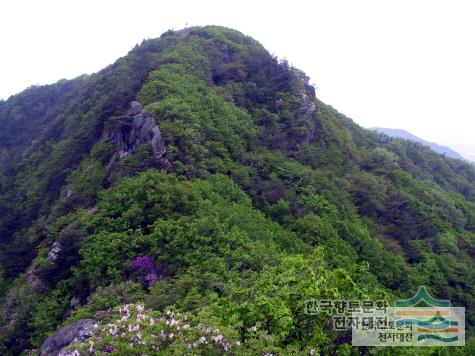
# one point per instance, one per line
(143, 130)
(140, 129)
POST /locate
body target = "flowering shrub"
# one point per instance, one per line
(131, 330)
(146, 269)
(145, 264)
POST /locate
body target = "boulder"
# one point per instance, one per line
(62, 338)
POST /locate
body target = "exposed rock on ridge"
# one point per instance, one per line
(140, 129)
(143, 130)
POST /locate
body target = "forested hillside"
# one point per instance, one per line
(201, 179)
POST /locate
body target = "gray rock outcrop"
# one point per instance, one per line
(76, 332)
(142, 130)
(54, 252)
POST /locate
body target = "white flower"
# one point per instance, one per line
(112, 329)
(218, 338)
(139, 307)
(203, 340)
(132, 328)
(70, 353)
(91, 349)
(125, 310)
(141, 317)
(254, 329)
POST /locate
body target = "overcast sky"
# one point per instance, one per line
(396, 64)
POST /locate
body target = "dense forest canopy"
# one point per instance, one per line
(264, 198)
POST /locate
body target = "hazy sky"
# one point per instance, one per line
(397, 64)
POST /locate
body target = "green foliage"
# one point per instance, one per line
(380, 161)
(49, 311)
(203, 130)
(88, 180)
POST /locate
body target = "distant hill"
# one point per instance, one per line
(408, 136)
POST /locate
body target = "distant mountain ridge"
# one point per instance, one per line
(398, 133)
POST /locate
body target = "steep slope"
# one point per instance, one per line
(200, 173)
(397, 133)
